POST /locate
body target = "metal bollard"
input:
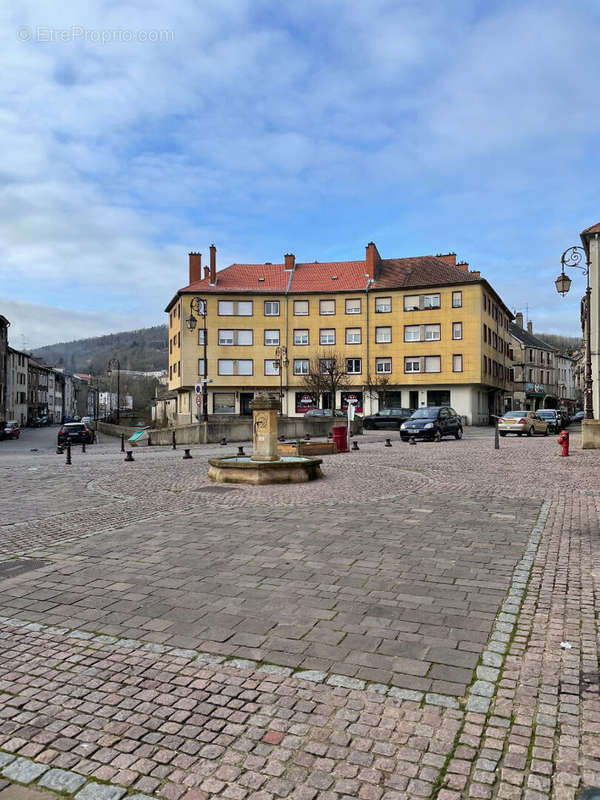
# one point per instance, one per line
(282, 438)
(149, 441)
(307, 437)
(59, 450)
(496, 438)
(355, 445)
(329, 434)
(68, 461)
(129, 456)
(412, 440)
(388, 443)
(241, 451)
(223, 441)
(186, 452)
(174, 445)
(83, 447)
(122, 442)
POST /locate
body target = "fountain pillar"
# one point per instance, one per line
(265, 408)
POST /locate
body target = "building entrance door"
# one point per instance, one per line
(245, 400)
(413, 399)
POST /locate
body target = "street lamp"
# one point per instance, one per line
(282, 361)
(198, 305)
(114, 363)
(572, 257)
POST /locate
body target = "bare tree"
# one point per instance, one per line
(326, 373)
(378, 386)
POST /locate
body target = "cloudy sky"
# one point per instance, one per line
(134, 132)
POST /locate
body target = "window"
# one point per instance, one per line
(201, 336)
(225, 308)
(383, 335)
(224, 403)
(229, 337)
(433, 364)
(271, 367)
(432, 333)
(412, 333)
(418, 302)
(457, 363)
(170, 346)
(242, 366)
(179, 339)
(353, 366)
(225, 366)
(301, 336)
(456, 299)
(240, 308)
(422, 364)
(271, 338)
(300, 308)
(383, 305)
(457, 330)
(353, 306)
(201, 370)
(326, 307)
(301, 366)
(325, 365)
(271, 308)
(327, 336)
(383, 366)
(353, 335)
(412, 365)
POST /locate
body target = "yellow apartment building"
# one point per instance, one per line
(412, 332)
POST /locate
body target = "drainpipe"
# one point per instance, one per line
(368, 348)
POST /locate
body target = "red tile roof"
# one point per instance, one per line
(335, 276)
(594, 229)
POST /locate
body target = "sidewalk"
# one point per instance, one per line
(419, 624)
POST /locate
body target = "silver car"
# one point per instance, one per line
(522, 422)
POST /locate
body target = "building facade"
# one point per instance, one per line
(535, 376)
(409, 332)
(17, 386)
(4, 325)
(590, 239)
(566, 377)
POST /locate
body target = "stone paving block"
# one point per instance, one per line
(60, 780)
(100, 791)
(23, 770)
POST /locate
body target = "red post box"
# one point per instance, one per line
(563, 441)
(339, 434)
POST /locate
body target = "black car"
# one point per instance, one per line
(432, 424)
(387, 418)
(76, 433)
(552, 417)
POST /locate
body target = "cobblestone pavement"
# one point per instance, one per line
(427, 627)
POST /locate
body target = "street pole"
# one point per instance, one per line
(204, 382)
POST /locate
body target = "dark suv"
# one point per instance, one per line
(387, 418)
(75, 432)
(432, 424)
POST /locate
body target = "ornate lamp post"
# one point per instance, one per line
(572, 257)
(114, 363)
(198, 305)
(282, 361)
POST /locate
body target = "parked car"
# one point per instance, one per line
(553, 418)
(520, 422)
(577, 418)
(86, 420)
(432, 424)
(387, 418)
(12, 429)
(75, 432)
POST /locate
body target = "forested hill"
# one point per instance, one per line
(145, 349)
(566, 344)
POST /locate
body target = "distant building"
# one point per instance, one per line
(534, 363)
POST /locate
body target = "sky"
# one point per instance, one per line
(132, 133)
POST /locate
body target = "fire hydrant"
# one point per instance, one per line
(563, 441)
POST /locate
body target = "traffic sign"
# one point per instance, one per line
(198, 400)
(198, 388)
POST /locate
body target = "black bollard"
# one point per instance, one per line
(412, 440)
(355, 445)
(68, 461)
(241, 451)
(129, 456)
(186, 452)
(174, 445)
(329, 434)
(122, 442)
(388, 443)
(282, 438)
(149, 441)
(59, 450)
(496, 438)
(307, 437)
(83, 447)
(223, 441)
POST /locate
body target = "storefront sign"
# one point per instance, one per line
(535, 390)
(304, 402)
(352, 398)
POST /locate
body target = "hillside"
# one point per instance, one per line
(145, 349)
(566, 344)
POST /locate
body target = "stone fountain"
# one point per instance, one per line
(265, 465)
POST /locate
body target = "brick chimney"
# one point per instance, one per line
(519, 319)
(462, 265)
(475, 272)
(289, 261)
(372, 260)
(213, 265)
(530, 327)
(195, 267)
(206, 272)
(449, 258)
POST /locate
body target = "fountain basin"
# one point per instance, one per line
(241, 469)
